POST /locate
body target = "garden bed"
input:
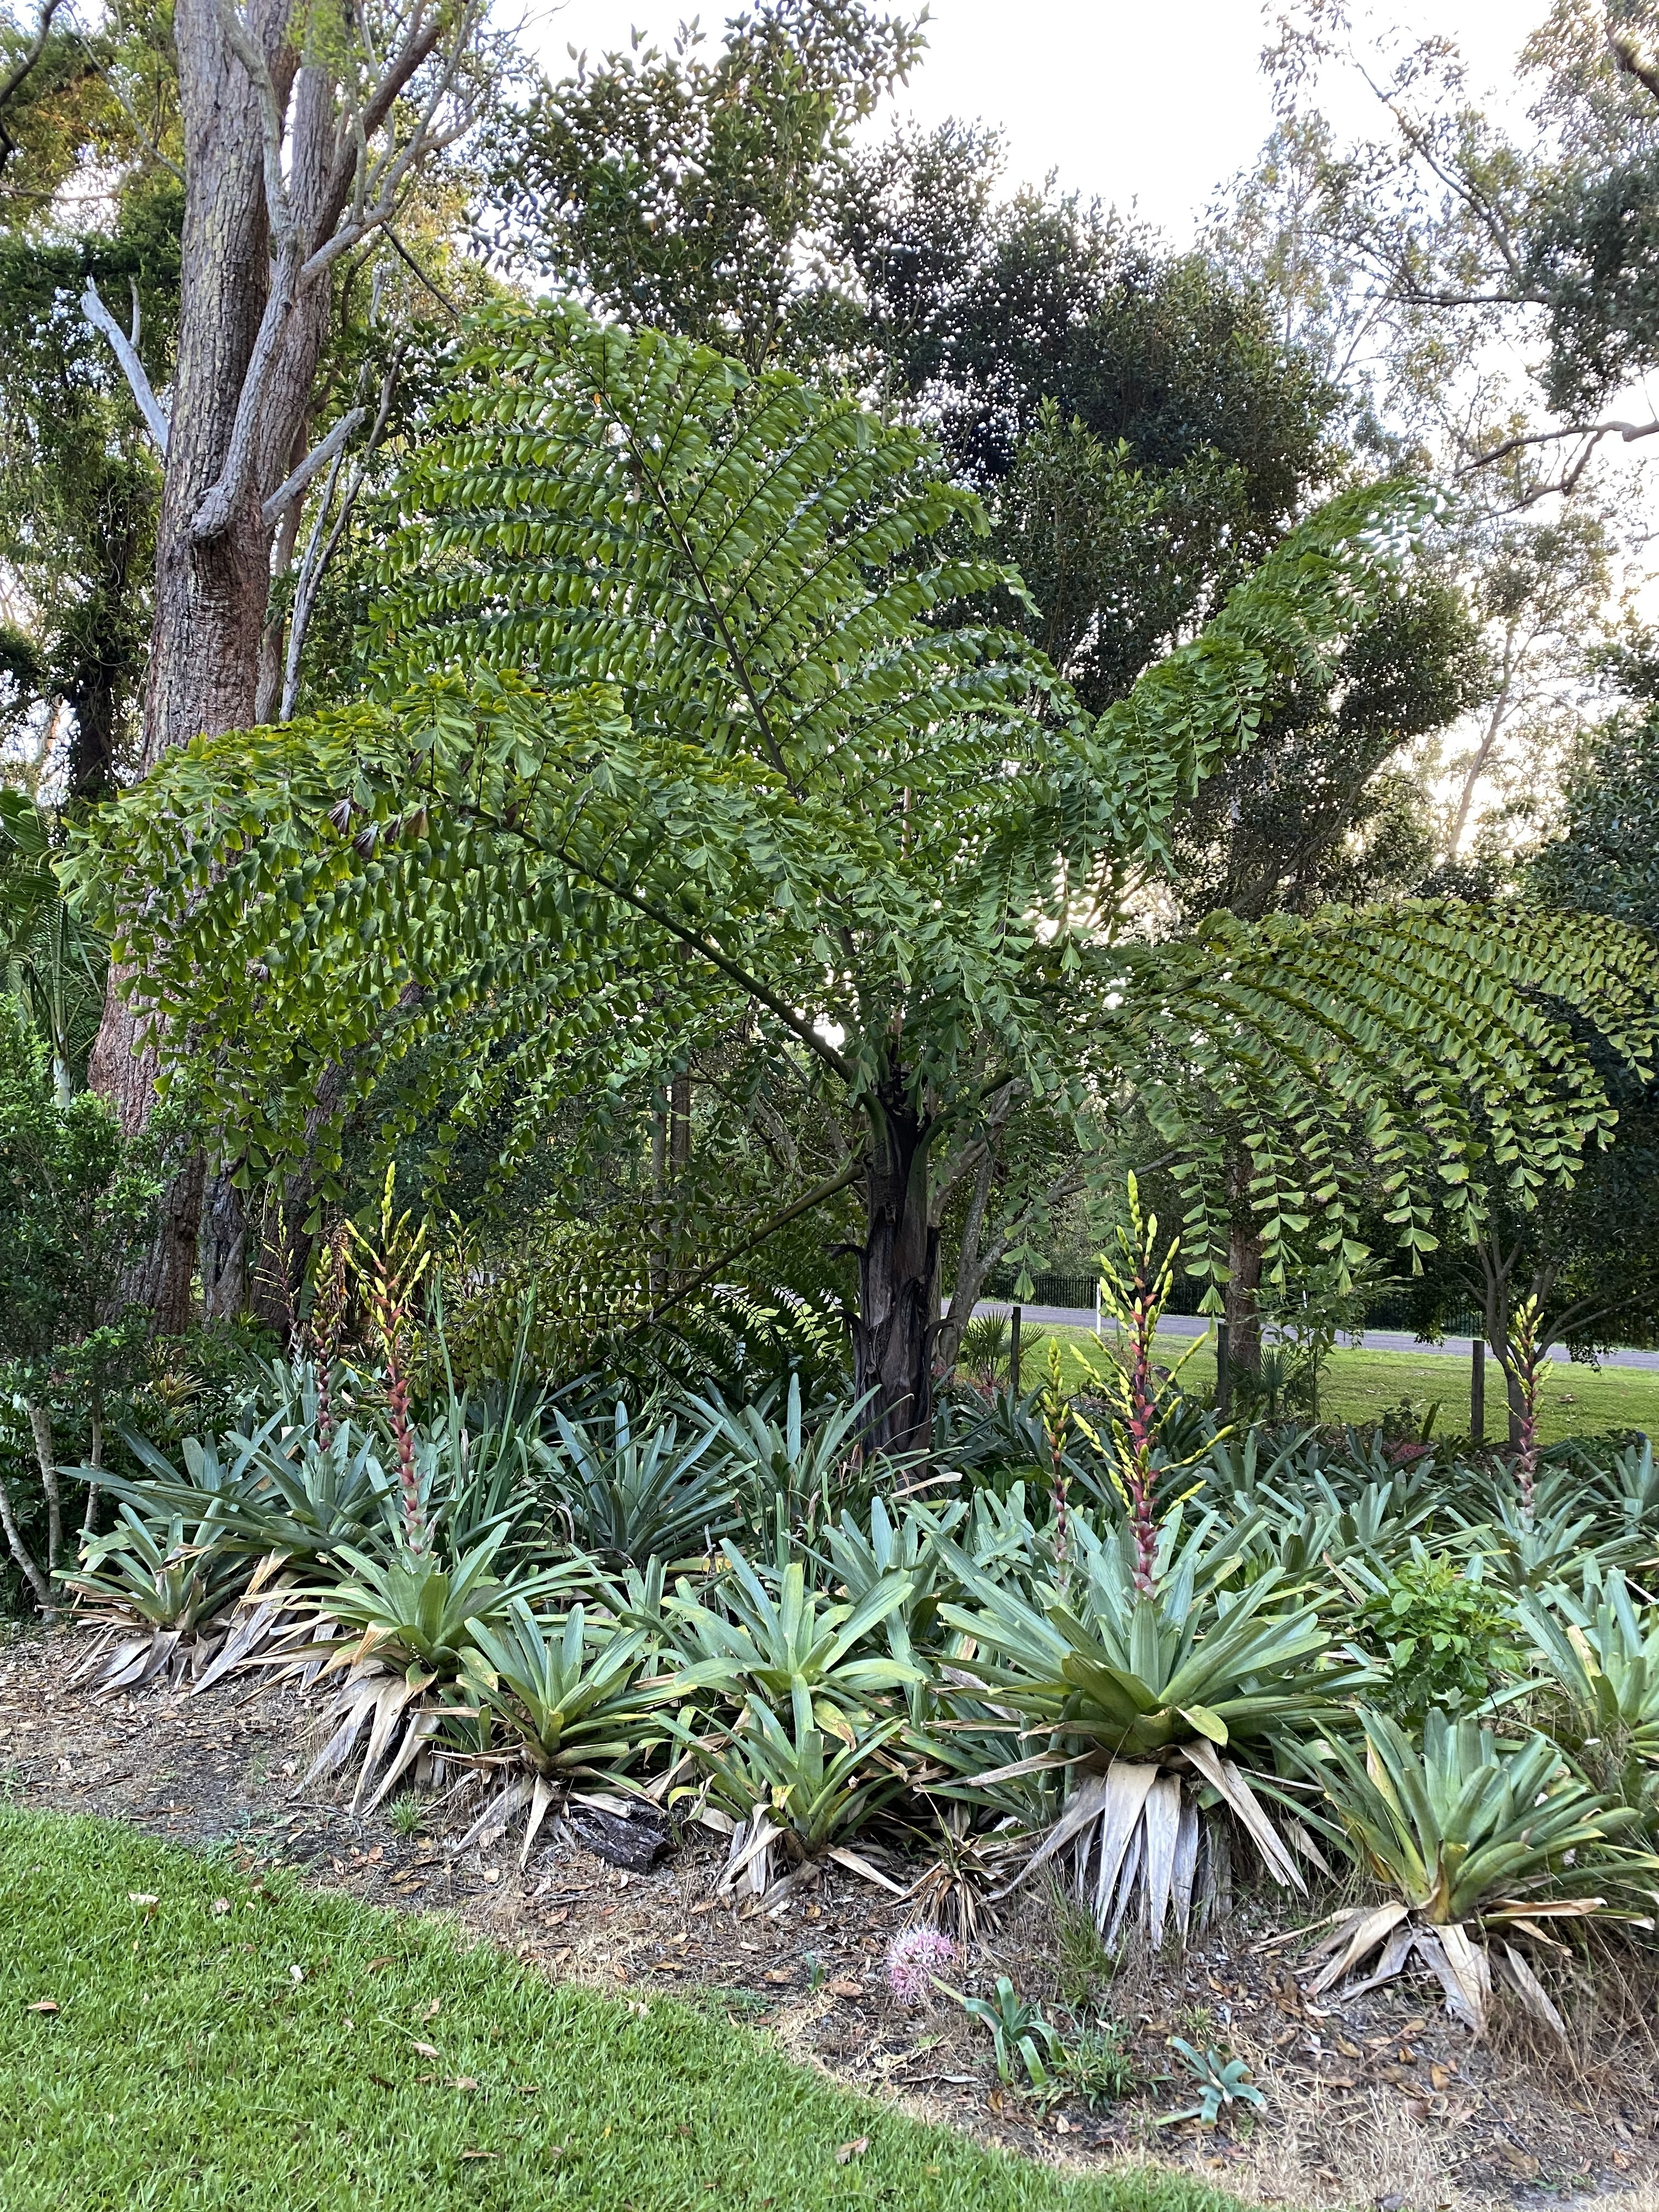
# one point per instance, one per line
(1381, 2102)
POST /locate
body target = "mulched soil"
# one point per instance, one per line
(1381, 2101)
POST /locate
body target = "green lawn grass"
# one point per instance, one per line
(268, 2055)
(1355, 1386)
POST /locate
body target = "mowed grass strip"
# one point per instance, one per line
(249, 2044)
(1357, 1386)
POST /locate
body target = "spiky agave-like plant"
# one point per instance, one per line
(1476, 1836)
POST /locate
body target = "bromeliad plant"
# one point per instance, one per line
(1602, 1650)
(1140, 1688)
(632, 1497)
(410, 1622)
(271, 1488)
(160, 1592)
(765, 1459)
(796, 1652)
(1153, 1665)
(799, 1790)
(570, 1698)
(792, 1666)
(868, 1557)
(1470, 1833)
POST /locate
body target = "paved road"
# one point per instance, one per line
(1375, 1340)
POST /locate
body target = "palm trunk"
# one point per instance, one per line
(898, 1267)
(1243, 1313)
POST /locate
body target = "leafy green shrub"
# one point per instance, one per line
(1444, 1636)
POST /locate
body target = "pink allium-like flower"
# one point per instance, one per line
(913, 1960)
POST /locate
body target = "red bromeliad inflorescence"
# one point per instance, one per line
(1135, 1292)
(1141, 1477)
(392, 1271)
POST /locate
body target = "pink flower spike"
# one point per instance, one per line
(913, 1960)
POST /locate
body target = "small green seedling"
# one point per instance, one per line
(1220, 2083)
(1017, 2028)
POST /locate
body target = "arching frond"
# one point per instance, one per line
(1428, 1055)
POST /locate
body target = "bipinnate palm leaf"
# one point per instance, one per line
(1433, 1053)
(672, 692)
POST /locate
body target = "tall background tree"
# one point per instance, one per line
(256, 162)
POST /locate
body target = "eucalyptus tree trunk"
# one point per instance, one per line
(210, 590)
(280, 178)
(894, 1330)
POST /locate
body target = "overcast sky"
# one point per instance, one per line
(1132, 101)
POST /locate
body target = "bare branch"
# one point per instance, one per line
(1410, 295)
(27, 1565)
(320, 552)
(247, 51)
(423, 37)
(318, 457)
(143, 135)
(219, 501)
(1629, 432)
(25, 63)
(385, 178)
(298, 263)
(419, 274)
(125, 350)
(1632, 62)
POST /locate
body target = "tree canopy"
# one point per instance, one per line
(668, 731)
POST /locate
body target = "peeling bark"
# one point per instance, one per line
(271, 164)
